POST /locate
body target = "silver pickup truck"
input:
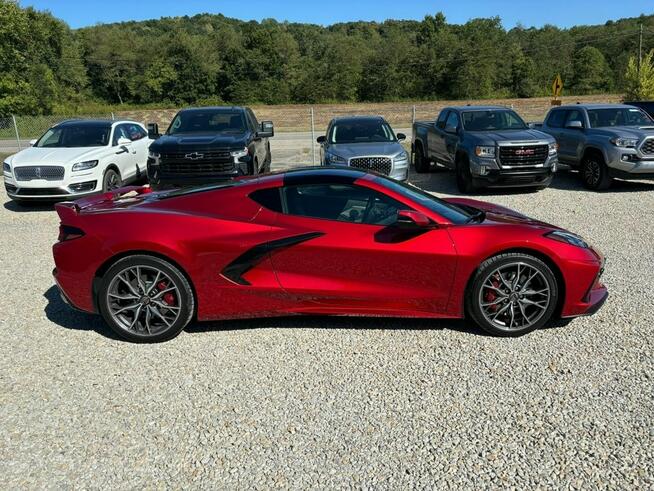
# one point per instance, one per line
(603, 141)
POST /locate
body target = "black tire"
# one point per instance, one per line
(140, 333)
(486, 274)
(464, 176)
(111, 180)
(594, 172)
(420, 163)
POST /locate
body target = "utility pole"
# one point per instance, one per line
(640, 48)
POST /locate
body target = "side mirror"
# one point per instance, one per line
(401, 137)
(408, 219)
(450, 129)
(153, 131)
(321, 139)
(123, 141)
(267, 130)
(33, 142)
(575, 125)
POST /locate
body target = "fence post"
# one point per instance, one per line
(16, 130)
(113, 118)
(313, 139)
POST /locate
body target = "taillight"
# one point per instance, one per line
(66, 232)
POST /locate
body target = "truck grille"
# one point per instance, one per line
(382, 165)
(33, 172)
(648, 146)
(523, 155)
(199, 163)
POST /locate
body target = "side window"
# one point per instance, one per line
(574, 115)
(452, 120)
(556, 118)
(119, 132)
(135, 132)
(442, 117)
(269, 198)
(340, 202)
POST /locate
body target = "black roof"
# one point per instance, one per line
(317, 175)
(213, 109)
(355, 119)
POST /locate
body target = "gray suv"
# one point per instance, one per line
(603, 141)
(365, 142)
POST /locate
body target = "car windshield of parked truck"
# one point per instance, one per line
(208, 122)
(622, 116)
(492, 120)
(373, 131)
(451, 212)
(75, 137)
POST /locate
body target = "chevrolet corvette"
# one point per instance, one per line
(332, 241)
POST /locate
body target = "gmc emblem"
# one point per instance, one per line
(194, 156)
(525, 151)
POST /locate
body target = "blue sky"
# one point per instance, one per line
(563, 13)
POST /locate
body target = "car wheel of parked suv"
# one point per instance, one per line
(419, 161)
(512, 294)
(594, 172)
(145, 299)
(111, 180)
(464, 176)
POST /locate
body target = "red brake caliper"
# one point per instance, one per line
(168, 298)
(491, 295)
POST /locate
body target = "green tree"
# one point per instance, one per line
(591, 72)
(639, 84)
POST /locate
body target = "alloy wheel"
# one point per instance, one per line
(143, 300)
(514, 296)
(113, 182)
(592, 172)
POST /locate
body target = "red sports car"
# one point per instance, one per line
(316, 241)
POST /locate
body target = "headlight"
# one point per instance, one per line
(568, 238)
(401, 159)
(485, 152)
(89, 164)
(330, 158)
(237, 154)
(6, 168)
(554, 148)
(625, 142)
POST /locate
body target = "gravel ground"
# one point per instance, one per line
(336, 402)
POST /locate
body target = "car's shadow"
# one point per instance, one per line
(441, 181)
(27, 207)
(61, 314)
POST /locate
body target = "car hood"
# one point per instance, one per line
(350, 150)
(191, 142)
(513, 136)
(637, 132)
(36, 155)
(500, 214)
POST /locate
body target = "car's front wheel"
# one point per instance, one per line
(512, 294)
(146, 299)
(595, 173)
(420, 163)
(111, 180)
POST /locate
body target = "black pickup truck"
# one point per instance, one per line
(209, 144)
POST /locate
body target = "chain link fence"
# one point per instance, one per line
(16, 132)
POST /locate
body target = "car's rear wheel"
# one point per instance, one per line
(595, 173)
(146, 299)
(111, 180)
(512, 294)
(419, 161)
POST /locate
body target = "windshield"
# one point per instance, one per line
(75, 137)
(216, 121)
(492, 120)
(447, 210)
(622, 116)
(367, 131)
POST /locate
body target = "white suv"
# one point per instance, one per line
(79, 157)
